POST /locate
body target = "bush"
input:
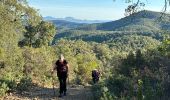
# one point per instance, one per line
(24, 84)
(10, 84)
(3, 89)
(97, 90)
(113, 88)
(101, 92)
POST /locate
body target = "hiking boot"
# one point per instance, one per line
(65, 94)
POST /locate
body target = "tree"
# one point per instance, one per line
(139, 59)
(14, 15)
(135, 7)
(46, 32)
(131, 59)
(29, 35)
(36, 36)
(165, 47)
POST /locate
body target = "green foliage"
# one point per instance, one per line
(143, 21)
(63, 25)
(39, 35)
(3, 89)
(15, 15)
(139, 93)
(46, 32)
(38, 58)
(132, 63)
(7, 86)
(113, 88)
(139, 59)
(86, 63)
(141, 74)
(142, 81)
(165, 47)
(24, 84)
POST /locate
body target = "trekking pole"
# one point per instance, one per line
(68, 80)
(53, 84)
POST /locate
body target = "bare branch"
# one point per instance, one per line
(134, 7)
(165, 6)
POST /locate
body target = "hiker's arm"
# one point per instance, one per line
(54, 68)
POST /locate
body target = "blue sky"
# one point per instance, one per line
(88, 9)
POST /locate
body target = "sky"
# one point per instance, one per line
(89, 9)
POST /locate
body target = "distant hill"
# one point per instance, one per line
(47, 18)
(72, 19)
(140, 30)
(70, 22)
(143, 21)
(65, 25)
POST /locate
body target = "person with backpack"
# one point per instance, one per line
(95, 75)
(61, 66)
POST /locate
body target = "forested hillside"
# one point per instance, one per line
(132, 54)
(143, 21)
(133, 49)
(65, 25)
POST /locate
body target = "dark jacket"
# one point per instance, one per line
(62, 68)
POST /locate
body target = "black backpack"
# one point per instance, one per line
(95, 74)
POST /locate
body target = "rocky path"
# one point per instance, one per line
(37, 93)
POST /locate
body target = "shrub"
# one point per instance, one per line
(113, 88)
(24, 84)
(3, 89)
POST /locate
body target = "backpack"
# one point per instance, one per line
(95, 74)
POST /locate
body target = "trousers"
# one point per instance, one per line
(63, 85)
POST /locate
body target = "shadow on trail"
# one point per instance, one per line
(42, 93)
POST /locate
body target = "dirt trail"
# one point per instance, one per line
(37, 93)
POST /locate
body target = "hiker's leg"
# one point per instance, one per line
(97, 79)
(61, 85)
(94, 80)
(64, 85)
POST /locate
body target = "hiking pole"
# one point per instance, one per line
(68, 81)
(53, 84)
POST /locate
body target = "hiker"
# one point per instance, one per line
(61, 66)
(95, 75)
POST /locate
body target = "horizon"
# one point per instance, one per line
(92, 19)
(88, 9)
(75, 18)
